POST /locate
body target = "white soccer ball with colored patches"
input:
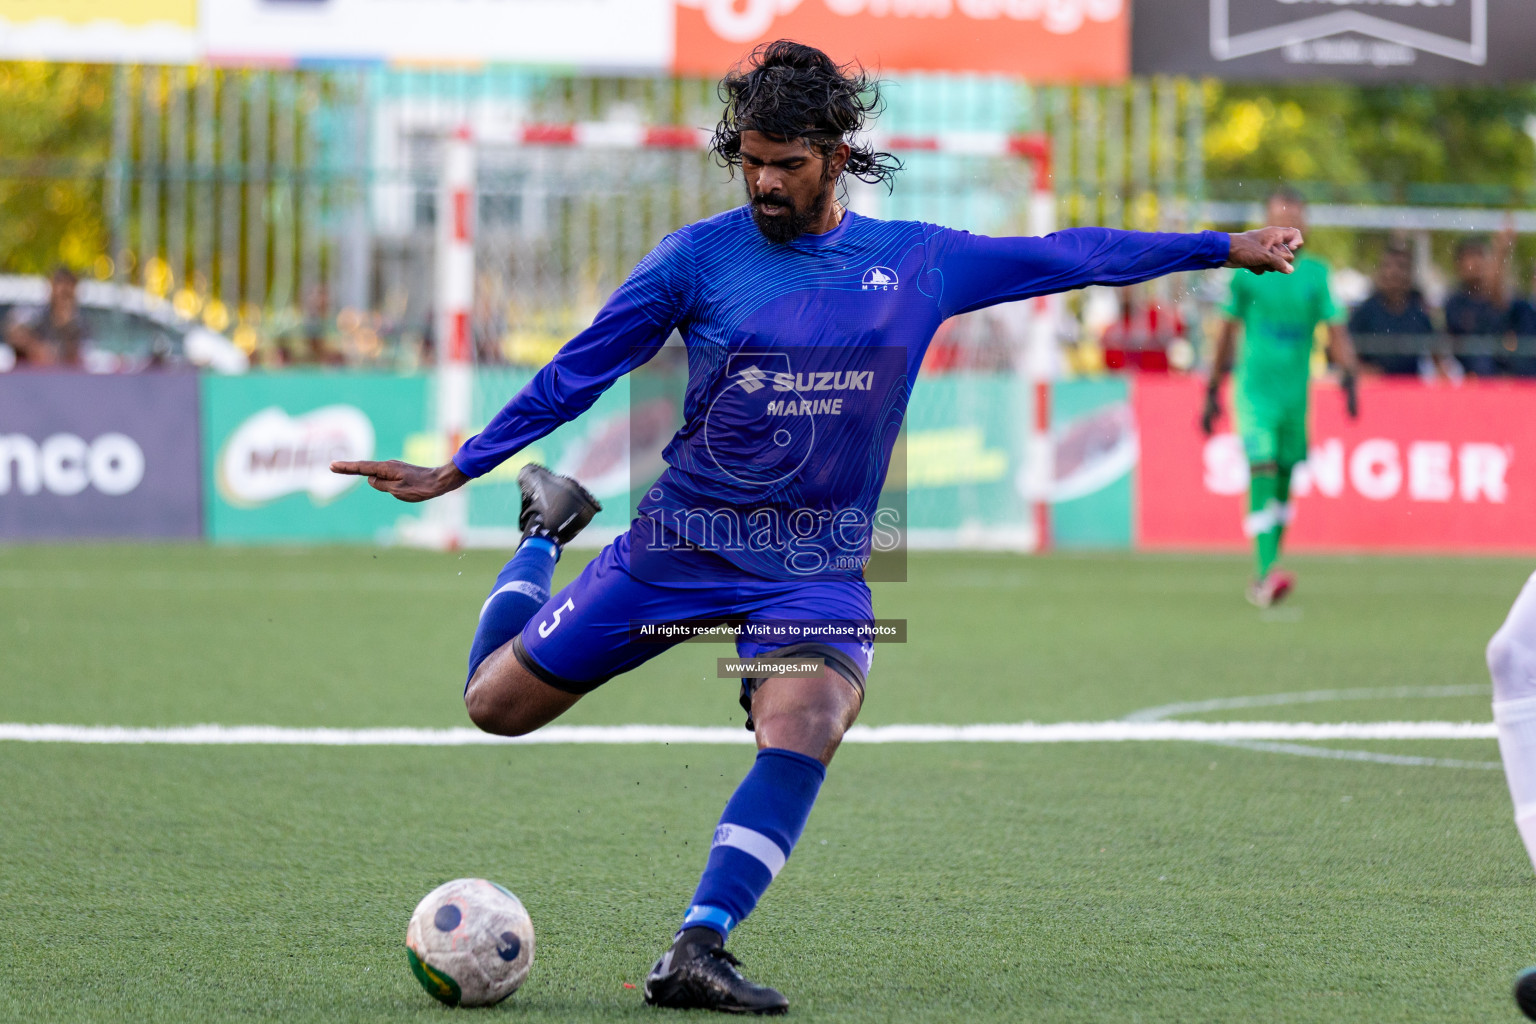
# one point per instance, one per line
(470, 943)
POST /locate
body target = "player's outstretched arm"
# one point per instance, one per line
(1265, 249)
(405, 481)
(973, 271)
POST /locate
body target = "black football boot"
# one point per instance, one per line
(698, 974)
(555, 507)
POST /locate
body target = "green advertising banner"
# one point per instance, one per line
(959, 467)
(1093, 432)
(268, 440)
(594, 449)
(966, 437)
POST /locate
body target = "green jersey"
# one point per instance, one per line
(1279, 314)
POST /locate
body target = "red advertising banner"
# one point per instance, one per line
(1052, 40)
(1423, 469)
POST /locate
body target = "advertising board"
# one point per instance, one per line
(1354, 40)
(1052, 40)
(147, 31)
(1422, 469)
(85, 456)
(269, 440)
(633, 35)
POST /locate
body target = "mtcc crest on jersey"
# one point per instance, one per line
(880, 279)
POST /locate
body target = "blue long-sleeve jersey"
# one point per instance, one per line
(801, 357)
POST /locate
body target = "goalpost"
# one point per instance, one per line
(447, 522)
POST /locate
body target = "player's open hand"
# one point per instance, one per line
(403, 480)
(1265, 249)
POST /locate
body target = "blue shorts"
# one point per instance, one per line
(592, 629)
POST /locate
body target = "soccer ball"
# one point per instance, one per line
(470, 943)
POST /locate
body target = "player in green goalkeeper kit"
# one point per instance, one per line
(1279, 314)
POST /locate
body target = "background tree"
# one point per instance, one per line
(1378, 144)
(55, 138)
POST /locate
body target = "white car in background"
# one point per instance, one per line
(128, 328)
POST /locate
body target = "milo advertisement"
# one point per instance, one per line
(269, 440)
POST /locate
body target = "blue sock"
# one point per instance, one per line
(759, 828)
(521, 589)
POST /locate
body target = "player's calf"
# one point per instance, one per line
(502, 695)
(1512, 666)
(800, 722)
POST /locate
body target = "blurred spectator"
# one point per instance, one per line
(303, 337)
(489, 329)
(1522, 324)
(983, 341)
(1141, 337)
(1392, 328)
(315, 346)
(1475, 316)
(55, 335)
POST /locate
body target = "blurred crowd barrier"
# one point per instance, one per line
(294, 211)
(288, 217)
(244, 459)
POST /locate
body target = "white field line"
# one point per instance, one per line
(1022, 732)
(1396, 693)
(1271, 700)
(1371, 756)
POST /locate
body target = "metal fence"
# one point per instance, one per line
(241, 193)
(294, 209)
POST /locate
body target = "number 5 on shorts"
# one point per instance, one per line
(546, 628)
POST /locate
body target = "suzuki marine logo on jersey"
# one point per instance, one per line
(752, 379)
(880, 279)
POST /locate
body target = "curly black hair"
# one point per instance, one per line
(788, 90)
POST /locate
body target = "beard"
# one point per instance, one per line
(788, 226)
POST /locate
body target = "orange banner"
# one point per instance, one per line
(1043, 40)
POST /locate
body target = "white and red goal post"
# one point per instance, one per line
(448, 525)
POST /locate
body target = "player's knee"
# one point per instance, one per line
(827, 720)
(490, 712)
(1512, 667)
(807, 716)
(814, 733)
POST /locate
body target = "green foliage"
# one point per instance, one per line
(55, 130)
(1377, 144)
(1388, 138)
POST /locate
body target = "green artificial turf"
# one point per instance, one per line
(1073, 882)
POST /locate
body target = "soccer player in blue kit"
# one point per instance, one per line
(805, 325)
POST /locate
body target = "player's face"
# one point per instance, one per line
(789, 185)
(1282, 214)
